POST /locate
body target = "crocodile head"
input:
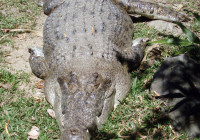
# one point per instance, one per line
(82, 101)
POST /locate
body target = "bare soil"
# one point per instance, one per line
(17, 57)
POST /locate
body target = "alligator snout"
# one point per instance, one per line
(75, 133)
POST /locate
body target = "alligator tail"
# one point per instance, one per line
(151, 10)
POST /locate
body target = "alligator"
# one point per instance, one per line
(87, 51)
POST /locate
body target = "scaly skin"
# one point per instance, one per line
(151, 10)
(86, 43)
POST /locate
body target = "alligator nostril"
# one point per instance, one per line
(74, 131)
(30, 50)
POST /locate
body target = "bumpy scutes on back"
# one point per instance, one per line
(86, 28)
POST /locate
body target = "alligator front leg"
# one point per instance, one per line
(133, 55)
(38, 63)
(151, 10)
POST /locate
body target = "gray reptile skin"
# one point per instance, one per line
(86, 44)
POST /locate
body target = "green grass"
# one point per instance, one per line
(192, 5)
(16, 14)
(22, 113)
(137, 117)
(142, 30)
(18, 111)
(140, 115)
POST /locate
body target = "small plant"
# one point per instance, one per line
(191, 43)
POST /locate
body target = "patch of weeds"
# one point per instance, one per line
(192, 4)
(17, 14)
(19, 114)
(24, 77)
(196, 24)
(191, 44)
(141, 30)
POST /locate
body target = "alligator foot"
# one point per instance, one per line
(37, 62)
(132, 56)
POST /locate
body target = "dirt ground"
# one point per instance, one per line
(17, 57)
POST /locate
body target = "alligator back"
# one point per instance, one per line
(87, 29)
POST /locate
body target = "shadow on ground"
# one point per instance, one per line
(141, 131)
(178, 80)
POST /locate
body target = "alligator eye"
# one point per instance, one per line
(90, 88)
(73, 88)
(73, 78)
(96, 79)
